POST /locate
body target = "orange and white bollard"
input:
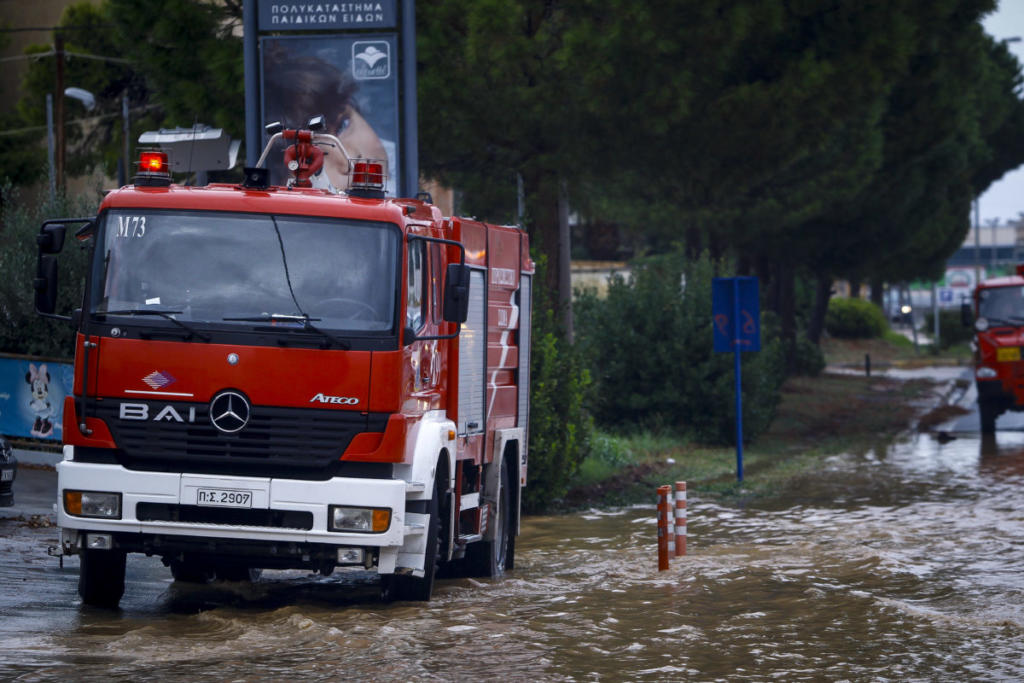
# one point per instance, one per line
(680, 519)
(663, 515)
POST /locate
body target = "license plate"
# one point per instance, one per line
(232, 498)
(1008, 354)
(7, 475)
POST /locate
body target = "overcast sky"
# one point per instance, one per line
(1005, 197)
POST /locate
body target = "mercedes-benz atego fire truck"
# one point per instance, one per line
(290, 377)
(997, 313)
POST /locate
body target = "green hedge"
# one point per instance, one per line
(561, 430)
(21, 329)
(854, 319)
(649, 346)
(952, 330)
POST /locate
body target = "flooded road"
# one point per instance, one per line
(902, 564)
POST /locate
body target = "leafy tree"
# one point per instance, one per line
(496, 100)
(177, 62)
(22, 331)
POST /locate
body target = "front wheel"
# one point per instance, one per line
(404, 587)
(101, 578)
(987, 414)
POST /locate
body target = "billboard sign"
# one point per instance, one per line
(282, 15)
(353, 81)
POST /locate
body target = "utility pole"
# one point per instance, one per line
(126, 159)
(977, 242)
(58, 49)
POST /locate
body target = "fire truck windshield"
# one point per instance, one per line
(236, 269)
(1002, 304)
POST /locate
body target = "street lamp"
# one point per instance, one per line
(89, 101)
(83, 96)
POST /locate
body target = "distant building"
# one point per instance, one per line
(1001, 246)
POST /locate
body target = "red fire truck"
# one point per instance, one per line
(997, 314)
(290, 377)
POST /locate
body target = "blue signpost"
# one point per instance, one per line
(736, 316)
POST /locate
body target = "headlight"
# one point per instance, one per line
(92, 504)
(986, 373)
(362, 520)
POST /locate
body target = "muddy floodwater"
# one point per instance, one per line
(902, 564)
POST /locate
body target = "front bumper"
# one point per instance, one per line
(993, 391)
(269, 528)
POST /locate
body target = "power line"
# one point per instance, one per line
(82, 55)
(88, 119)
(54, 28)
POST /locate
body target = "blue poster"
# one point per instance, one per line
(32, 397)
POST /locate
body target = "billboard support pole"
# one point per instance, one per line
(251, 68)
(410, 182)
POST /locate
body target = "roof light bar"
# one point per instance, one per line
(367, 176)
(154, 169)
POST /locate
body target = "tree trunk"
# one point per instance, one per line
(787, 309)
(822, 293)
(565, 261)
(877, 291)
(547, 205)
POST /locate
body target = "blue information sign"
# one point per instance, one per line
(726, 292)
(736, 317)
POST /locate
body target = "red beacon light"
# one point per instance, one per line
(154, 169)
(367, 178)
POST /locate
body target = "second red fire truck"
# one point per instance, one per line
(997, 313)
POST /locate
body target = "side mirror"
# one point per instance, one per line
(51, 238)
(456, 293)
(46, 285)
(966, 314)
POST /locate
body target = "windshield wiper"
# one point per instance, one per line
(169, 315)
(303, 320)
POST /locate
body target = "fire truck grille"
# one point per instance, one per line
(298, 442)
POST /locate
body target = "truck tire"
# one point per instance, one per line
(404, 587)
(490, 558)
(987, 414)
(101, 579)
(191, 570)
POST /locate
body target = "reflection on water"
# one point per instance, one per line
(904, 563)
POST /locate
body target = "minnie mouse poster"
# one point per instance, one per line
(39, 381)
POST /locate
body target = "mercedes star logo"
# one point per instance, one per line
(229, 411)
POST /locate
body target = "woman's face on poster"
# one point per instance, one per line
(360, 141)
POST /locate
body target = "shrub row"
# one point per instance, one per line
(649, 347)
(854, 319)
